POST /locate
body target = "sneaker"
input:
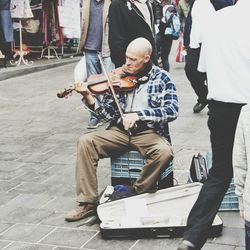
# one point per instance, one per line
(199, 106)
(186, 245)
(94, 123)
(81, 212)
(1, 54)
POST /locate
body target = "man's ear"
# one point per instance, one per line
(146, 58)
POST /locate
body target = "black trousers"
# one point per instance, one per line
(222, 124)
(196, 78)
(164, 45)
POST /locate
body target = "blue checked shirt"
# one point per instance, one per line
(162, 103)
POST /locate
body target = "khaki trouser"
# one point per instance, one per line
(104, 143)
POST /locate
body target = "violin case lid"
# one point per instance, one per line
(151, 215)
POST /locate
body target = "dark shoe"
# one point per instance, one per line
(81, 212)
(94, 123)
(184, 245)
(199, 106)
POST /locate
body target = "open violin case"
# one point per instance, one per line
(151, 215)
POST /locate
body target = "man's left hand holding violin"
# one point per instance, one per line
(82, 88)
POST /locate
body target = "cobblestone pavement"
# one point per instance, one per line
(38, 134)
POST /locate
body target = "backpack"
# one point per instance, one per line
(198, 170)
(173, 24)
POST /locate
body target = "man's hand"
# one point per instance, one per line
(242, 215)
(82, 88)
(129, 120)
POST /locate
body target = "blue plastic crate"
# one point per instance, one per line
(230, 201)
(130, 164)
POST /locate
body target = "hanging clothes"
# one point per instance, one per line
(51, 24)
(20, 9)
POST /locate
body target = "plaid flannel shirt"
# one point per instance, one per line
(162, 103)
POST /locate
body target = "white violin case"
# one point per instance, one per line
(151, 215)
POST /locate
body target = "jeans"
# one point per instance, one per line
(6, 26)
(222, 124)
(94, 67)
(247, 230)
(196, 78)
(93, 63)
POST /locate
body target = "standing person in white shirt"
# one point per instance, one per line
(201, 11)
(241, 164)
(225, 57)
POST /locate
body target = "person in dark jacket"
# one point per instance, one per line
(129, 20)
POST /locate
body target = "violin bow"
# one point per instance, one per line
(112, 88)
(110, 85)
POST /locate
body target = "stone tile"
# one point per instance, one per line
(8, 156)
(180, 177)
(230, 236)
(156, 244)
(6, 197)
(98, 243)
(68, 237)
(9, 166)
(231, 219)
(35, 157)
(63, 159)
(12, 147)
(30, 187)
(30, 200)
(60, 189)
(4, 243)
(60, 204)
(27, 246)
(67, 175)
(67, 248)
(209, 246)
(10, 175)
(58, 220)
(5, 226)
(23, 215)
(34, 176)
(26, 233)
(7, 185)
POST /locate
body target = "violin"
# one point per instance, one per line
(98, 84)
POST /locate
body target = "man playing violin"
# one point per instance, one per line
(143, 127)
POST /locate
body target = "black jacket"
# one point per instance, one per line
(126, 23)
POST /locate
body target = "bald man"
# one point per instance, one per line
(143, 127)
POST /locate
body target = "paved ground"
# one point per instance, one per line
(37, 155)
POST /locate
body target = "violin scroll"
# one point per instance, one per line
(65, 93)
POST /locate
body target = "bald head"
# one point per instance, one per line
(141, 47)
(138, 55)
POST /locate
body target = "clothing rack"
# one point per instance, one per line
(21, 53)
(20, 11)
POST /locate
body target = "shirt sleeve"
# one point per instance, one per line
(240, 162)
(163, 104)
(107, 110)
